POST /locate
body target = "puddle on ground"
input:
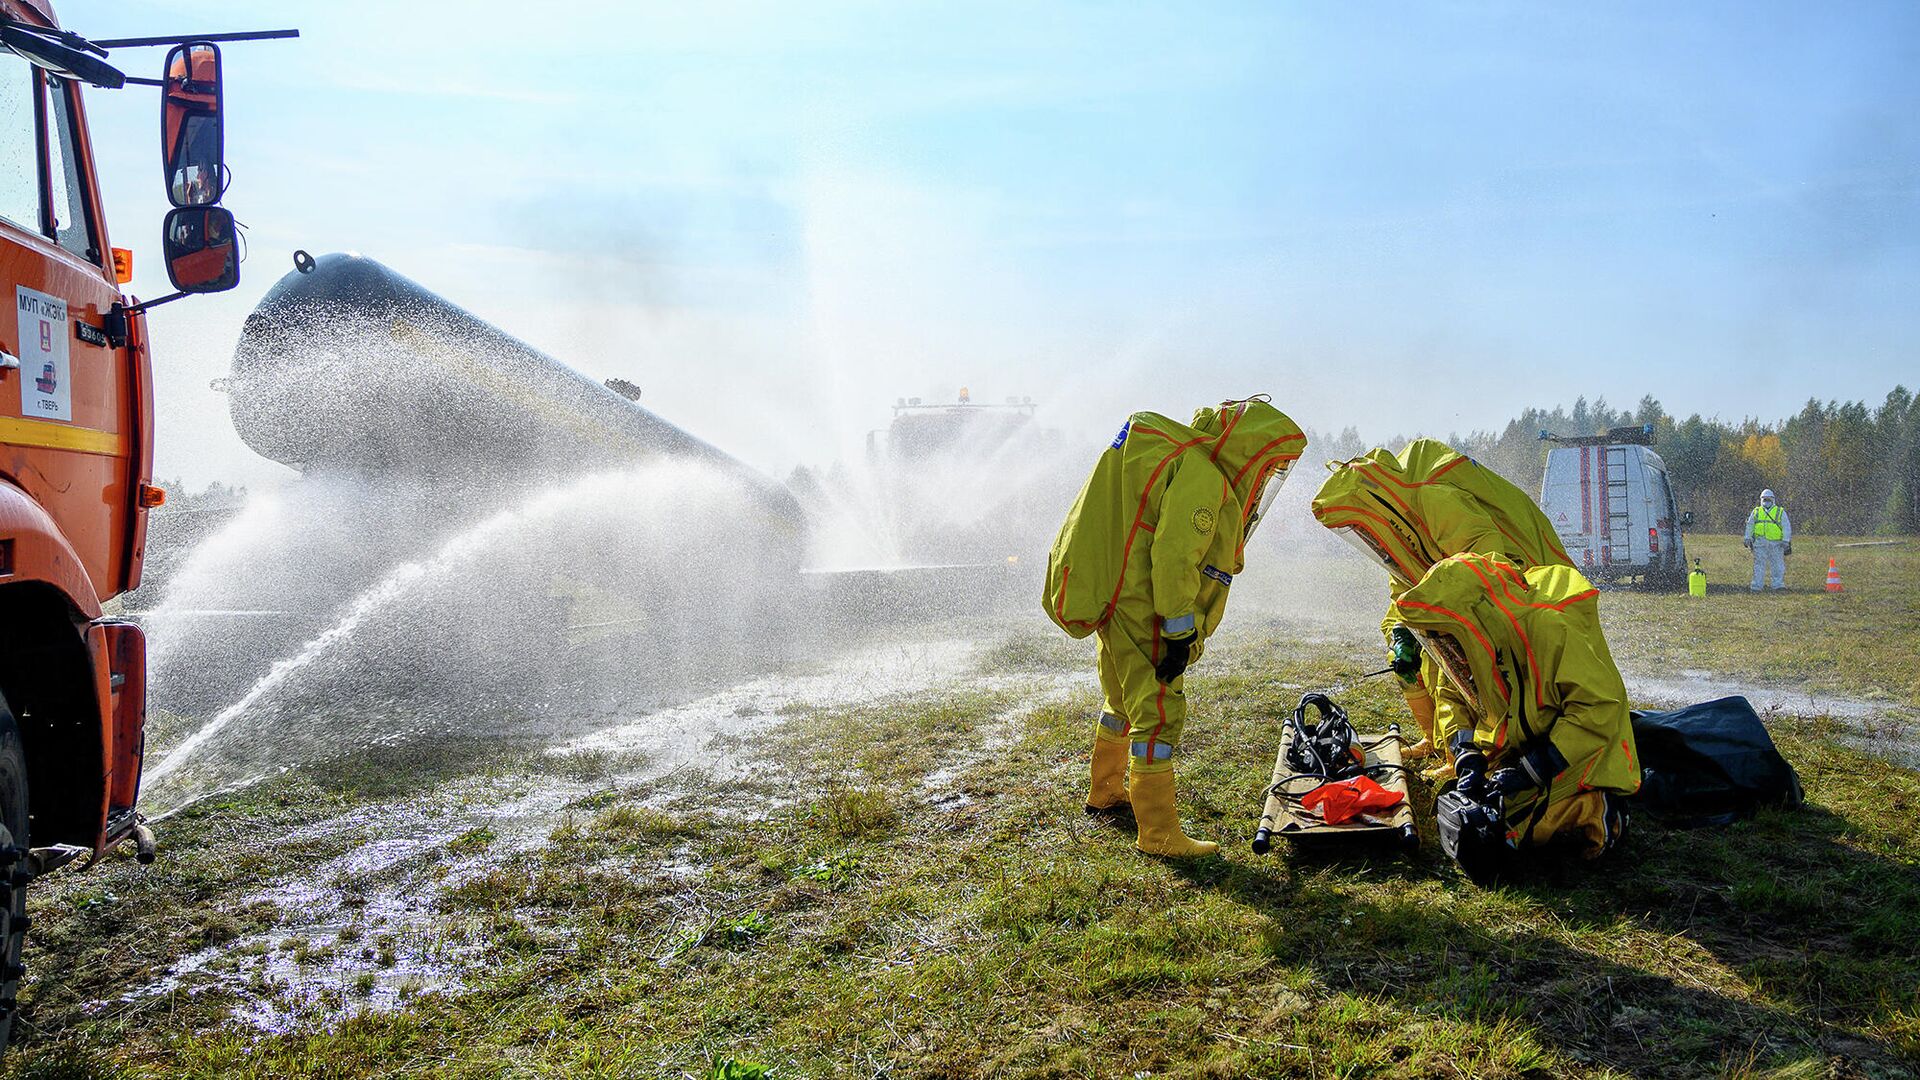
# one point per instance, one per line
(1687, 686)
(379, 959)
(690, 733)
(1885, 729)
(363, 930)
(941, 785)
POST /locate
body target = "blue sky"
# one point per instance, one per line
(777, 219)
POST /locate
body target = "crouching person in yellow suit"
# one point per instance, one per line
(1144, 560)
(1532, 708)
(1409, 511)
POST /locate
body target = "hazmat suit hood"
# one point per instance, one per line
(1208, 480)
(1410, 511)
(1254, 445)
(1525, 649)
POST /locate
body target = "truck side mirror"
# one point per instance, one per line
(203, 254)
(192, 129)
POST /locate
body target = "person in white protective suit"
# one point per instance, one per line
(1770, 538)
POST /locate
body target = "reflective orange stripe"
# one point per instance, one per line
(1437, 474)
(1256, 455)
(1373, 472)
(1139, 519)
(1220, 443)
(1060, 602)
(1533, 667)
(1159, 699)
(1562, 605)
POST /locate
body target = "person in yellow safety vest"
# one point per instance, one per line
(1533, 709)
(1410, 511)
(1770, 538)
(1143, 561)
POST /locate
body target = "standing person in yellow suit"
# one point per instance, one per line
(1409, 512)
(1533, 710)
(1144, 560)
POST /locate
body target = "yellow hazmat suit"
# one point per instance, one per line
(1430, 502)
(1529, 680)
(1145, 558)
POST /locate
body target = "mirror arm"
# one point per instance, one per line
(128, 312)
(241, 35)
(146, 82)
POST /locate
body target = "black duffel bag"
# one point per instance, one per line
(1710, 764)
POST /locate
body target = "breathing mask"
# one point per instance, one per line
(1446, 652)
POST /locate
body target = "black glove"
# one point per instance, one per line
(1470, 773)
(1789, 550)
(1473, 833)
(1173, 658)
(1534, 767)
(1406, 654)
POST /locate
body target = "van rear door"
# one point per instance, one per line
(1585, 495)
(1563, 501)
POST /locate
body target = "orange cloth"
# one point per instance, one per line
(1343, 800)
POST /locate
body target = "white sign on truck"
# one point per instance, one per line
(46, 391)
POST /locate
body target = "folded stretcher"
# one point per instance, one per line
(1330, 752)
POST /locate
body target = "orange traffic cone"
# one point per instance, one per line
(1833, 575)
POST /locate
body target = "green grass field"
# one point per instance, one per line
(1859, 642)
(909, 888)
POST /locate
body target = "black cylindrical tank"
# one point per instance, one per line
(352, 368)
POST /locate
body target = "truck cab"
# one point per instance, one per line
(76, 466)
(76, 441)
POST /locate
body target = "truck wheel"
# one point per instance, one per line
(15, 872)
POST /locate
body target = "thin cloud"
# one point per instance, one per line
(459, 89)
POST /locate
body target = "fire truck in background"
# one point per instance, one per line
(76, 439)
(966, 480)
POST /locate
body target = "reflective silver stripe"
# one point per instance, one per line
(1177, 626)
(1161, 751)
(1112, 723)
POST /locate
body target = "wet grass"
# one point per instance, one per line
(120, 925)
(910, 889)
(1860, 642)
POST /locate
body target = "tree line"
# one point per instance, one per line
(1838, 467)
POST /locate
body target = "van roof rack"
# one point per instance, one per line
(1632, 435)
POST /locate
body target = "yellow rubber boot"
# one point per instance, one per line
(1420, 704)
(1159, 822)
(1107, 789)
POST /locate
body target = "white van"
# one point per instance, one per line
(1609, 499)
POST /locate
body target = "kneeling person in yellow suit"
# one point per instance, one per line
(1532, 707)
(1144, 560)
(1410, 510)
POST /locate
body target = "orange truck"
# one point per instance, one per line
(76, 439)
